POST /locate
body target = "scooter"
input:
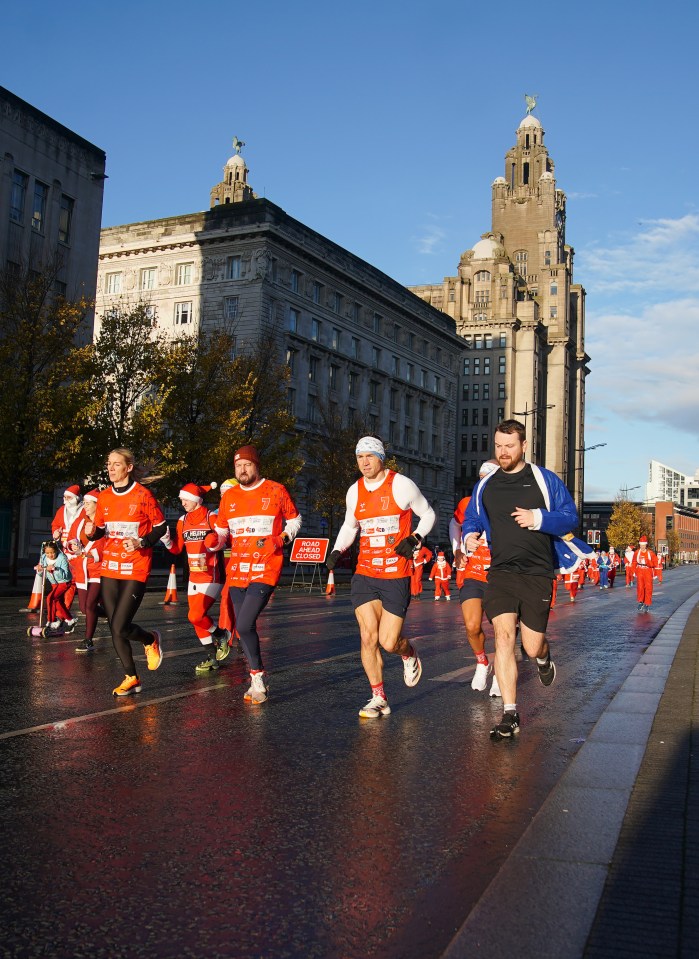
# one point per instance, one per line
(39, 630)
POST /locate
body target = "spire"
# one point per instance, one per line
(234, 187)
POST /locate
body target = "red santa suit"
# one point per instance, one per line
(206, 568)
(628, 559)
(441, 574)
(659, 569)
(571, 581)
(643, 567)
(66, 528)
(421, 556)
(554, 590)
(614, 564)
(593, 570)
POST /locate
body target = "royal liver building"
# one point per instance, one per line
(523, 318)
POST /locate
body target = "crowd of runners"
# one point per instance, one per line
(512, 544)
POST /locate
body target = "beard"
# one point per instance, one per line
(509, 464)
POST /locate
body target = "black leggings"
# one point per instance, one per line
(121, 599)
(248, 604)
(93, 610)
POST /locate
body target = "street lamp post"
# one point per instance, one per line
(527, 412)
(580, 468)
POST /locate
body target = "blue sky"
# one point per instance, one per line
(382, 126)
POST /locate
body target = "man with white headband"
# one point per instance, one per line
(379, 506)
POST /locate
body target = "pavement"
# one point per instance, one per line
(183, 824)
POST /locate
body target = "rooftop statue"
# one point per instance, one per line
(531, 101)
(239, 144)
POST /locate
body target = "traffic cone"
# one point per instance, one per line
(330, 588)
(35, 599)
(171, 591)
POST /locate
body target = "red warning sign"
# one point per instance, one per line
(309, 550)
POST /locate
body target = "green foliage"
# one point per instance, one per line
(627, 524)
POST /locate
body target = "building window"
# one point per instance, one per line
(406, 435)
(553, 290)
(114, 283)
(435, 417)
(313, 369)
(65, 218)
(392, 432)
(483, 276)
(474, 417)
(465, 392)
(486, 366)
(485, 415)
(230, 308)
(420, 441)
(291, 400)
(335, 342)
(408, 406)
(41, 196)
(19, 196)
(353, 384)
(355, 348)
(474, 442)
(183, 313)
(394, 400)
(376, 323)
(356, 312)
(183, 274)
(486, 391)
(333, 376)
(423, 379)
(464, 417)
(337, 302)
(295, 281)
(521, 261)
(467, 366)
(484, 442)
(423, 408)
(478, 341)
(547, 258)
(501, 414)
(291, 360)
(476, 391)
(410, 341)
(476, 366)
(148, 278)
(488, 341)
(464, 443)
(502, 364)
(375, 357)
(317, 287)
(553, 313)
(503, 340)
(410, 375)
(373, 392)
(294, 321)
(395, 366)
(312, 408)
(315, 329)
(233, 267)
(438, 384)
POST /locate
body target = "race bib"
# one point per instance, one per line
(251, 526)
(379, 525)
(122, 529)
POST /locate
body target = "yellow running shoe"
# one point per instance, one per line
(129, 685)
(154, 652)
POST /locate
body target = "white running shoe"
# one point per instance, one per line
(258, 691)
(495, 687)
(377, 706)
(480, 677)
(412, 670)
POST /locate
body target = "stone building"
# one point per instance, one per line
(51, 186)
(351, 335)
(522, 318)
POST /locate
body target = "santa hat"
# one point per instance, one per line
(643, 541)
(229, 484)
(248, 453)
(196, 493)
(487, 468)
(93, 495)
(440, 555)
(73, 491)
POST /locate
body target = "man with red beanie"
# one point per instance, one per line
(194, 531)
(259, 517)
(643, 566)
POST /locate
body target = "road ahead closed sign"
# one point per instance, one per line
(309, 550)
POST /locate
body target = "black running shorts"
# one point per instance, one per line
(529, 597)
(393, 594)
(471, 589)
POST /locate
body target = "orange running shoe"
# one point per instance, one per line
(129, 685)
(154, 652)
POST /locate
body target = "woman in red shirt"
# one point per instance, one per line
(130, 518)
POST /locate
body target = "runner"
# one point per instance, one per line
(379, 507)
(472, 575)
(65, 530)
(421, 556)
(524, 510)
(259, 517)
(129, 517)
(643, 566)
(194, 531)
(92, 557)
(441, 574)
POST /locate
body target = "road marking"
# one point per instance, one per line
(59, 725)
(452, 676)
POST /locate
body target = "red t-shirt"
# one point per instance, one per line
(133, 513)
(382, 525)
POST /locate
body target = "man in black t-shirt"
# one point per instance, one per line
(521, 508)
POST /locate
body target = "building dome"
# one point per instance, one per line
(486, 250)
(546, 175)
(499, 179)
(235, 160)
(530, 121)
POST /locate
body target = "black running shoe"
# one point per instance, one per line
(87, 646)
(507, 728)
(547, 672)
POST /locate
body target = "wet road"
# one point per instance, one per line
(184, 823)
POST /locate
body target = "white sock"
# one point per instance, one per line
(510, 707)
(544, 661)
